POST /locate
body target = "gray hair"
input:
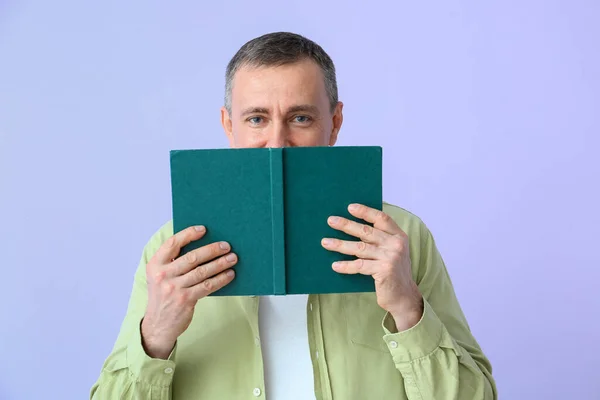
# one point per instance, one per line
(281, 48)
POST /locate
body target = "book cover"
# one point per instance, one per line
(272, 205)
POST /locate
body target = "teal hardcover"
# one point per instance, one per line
(272, 205)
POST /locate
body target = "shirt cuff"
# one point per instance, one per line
(416, 342)
(152, 371)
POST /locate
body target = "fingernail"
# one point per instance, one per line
(327, 242)
(229, 273)
(224, 245)
(200, 228)
(230, 257)
(334, 220)
(353, 207)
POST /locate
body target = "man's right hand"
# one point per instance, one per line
(176, 284)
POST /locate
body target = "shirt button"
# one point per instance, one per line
(393, 344)
(168, 370)
(256, 392)
(257, 341)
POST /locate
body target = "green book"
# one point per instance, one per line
(272, 205)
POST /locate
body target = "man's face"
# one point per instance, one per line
(281, 106)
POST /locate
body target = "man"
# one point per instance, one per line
(408, 340)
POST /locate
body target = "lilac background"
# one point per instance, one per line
(488, 115)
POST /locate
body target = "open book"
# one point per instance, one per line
(272, 205)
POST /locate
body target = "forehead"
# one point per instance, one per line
(284, 85)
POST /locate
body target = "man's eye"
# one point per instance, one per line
(255, 120)
(302, 119)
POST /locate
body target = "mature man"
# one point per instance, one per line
(408, 340)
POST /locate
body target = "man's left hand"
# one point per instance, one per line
(383, 252)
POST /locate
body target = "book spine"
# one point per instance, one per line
(277, 213)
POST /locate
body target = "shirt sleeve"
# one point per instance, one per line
(128, 372)
(439, 358)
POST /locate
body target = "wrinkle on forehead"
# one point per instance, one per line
(279, 89)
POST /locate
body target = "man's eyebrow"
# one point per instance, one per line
(254, 110)
(304, 108)
(307, 108)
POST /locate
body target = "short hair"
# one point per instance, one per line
(281, 48)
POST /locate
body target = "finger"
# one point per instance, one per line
(359, 249)
(378, 218)
(206, 271)
(199, 256)
(211, 285)
(359, 266)
(172, 246)
(364, 232)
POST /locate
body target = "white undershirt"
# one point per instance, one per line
(284, 341)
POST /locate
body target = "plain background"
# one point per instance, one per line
(488, 115)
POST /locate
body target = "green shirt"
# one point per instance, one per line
(356, 351)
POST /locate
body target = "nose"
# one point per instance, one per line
(278, 136)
